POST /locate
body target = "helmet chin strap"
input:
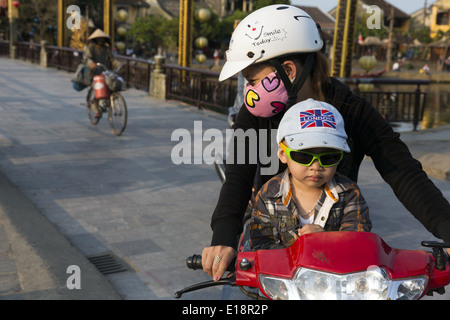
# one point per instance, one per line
(294, 88)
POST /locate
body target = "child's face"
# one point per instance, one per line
(313, 176)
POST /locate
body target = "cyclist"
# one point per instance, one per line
(98, 50)
(281, 44)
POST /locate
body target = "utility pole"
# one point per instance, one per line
(424, 12)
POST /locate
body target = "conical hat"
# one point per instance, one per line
(98, 34)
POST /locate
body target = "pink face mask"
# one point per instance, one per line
(267, 98)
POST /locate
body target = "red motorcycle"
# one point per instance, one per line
(343, 265)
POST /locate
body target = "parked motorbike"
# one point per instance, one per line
(344, 265)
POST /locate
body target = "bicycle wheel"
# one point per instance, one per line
(117, 113)
(92, 106)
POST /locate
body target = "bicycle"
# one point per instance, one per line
(107, 101)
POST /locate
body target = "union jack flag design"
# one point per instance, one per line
(317, 118)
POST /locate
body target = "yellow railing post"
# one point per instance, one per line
(343, 38)
(185, 33)
(108, 18)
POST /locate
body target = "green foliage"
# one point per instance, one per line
(218, 30)
(209, 29)
(155, 31)
(422, 34)
(362, 29)
(439, 35)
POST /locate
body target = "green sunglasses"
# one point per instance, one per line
(327, 159)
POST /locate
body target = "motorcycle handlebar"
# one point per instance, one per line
(102, 66)
(438, 252)
(194, 262)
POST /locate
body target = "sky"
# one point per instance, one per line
(407, 6)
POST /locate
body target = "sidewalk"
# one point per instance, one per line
(34, 256)
(69, 190)
(115, 197)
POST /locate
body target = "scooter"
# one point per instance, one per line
(342, 265)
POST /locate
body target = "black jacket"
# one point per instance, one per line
(369, 134)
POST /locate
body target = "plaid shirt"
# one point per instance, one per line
(275, 220)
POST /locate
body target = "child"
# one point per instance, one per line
(308, 196)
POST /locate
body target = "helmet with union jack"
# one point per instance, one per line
(270, 32)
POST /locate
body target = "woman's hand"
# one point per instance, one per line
(310, 228)
(215, 260)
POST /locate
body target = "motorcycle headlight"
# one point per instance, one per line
(373, 284)
(407, 289)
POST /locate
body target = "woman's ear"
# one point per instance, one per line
(291, 69)
(282, 155)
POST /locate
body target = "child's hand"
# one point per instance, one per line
(310, 228)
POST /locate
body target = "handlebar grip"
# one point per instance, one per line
(194, 262)
(435, 244)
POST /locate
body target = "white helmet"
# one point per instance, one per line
(270, 32)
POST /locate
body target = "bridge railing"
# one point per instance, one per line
(393, 98)
(398, 100)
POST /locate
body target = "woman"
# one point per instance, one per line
(277, 48)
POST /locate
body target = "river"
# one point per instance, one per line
(437, 108)
(437, 111)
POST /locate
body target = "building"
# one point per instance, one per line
(440, 17)
(421, 18)
(401, 19)
(325, 20)
(222, 8)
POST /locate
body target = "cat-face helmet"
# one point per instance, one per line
(270, 32)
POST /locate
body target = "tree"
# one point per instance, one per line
(361, 29)
(155, 32)
(422, 34)
(35, 16)
(216, 30)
